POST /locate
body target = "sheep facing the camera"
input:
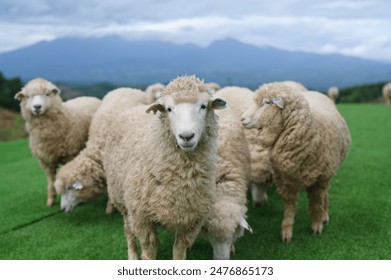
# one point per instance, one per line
(83, 179)
(57, 130)
(161, 169)
(308, 140)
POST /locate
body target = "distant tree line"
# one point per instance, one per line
(361, 94)
(8, 89)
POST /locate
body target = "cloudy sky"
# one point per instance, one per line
(351, 27)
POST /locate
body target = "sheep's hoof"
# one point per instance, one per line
(258, 204)
(317, 228)
(50, 202)
(286, 236)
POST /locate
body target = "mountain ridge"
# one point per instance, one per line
(115, 60)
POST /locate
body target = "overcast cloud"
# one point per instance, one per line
(351, 27)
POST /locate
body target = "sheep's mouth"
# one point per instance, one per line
(187, 147)
(37, 112)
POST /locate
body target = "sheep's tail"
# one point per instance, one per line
(243, 223)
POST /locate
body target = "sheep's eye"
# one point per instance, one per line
(169, 110)
(266, 101)
(47, 94)
(203, 106)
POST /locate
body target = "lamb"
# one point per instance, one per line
(387, 93)
(227, 218)
(57, 130)
(333, 93)
(83, 178)
(308, 140)
(161, 170)
(152, 92)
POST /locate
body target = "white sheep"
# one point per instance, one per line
(83, 178)
(308, 140)
(152, 92)
(161, 169)
(387, 93)
(57, 130)
(240, 99)
(227, 218)
(333, 93)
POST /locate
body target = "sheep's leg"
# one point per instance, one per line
(131, 240)
(51, 191)
(318, 204)
(259, 194)
(110, 209)
(149, 241)
(290, 199)
(183, 241)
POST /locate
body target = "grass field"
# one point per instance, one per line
(360, 210)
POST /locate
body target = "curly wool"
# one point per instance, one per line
(153, 182)
(61, 133)
(87, 167)
(309, 140)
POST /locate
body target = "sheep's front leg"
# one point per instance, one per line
(290, 199)
(50, 174)
(131, 240)
(183, 241)
(318, 205)
(148, 237)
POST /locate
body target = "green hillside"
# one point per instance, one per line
(360, 210)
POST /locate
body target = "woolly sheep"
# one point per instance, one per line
(226, 221)
(152, 92)
(239, 99)
(161, 169)
(333, 93)
(83, 178)
(57, 130)
(387, 93)
(308, 140)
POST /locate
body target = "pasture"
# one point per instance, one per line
(360, 210)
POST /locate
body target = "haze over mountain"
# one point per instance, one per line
(115, 60)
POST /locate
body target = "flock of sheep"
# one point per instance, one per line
(182, 156)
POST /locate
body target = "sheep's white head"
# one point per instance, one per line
(187, 104)
(37, 96)
(69, 194)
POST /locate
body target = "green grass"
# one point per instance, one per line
(360, 210)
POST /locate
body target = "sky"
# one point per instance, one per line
(360, 28)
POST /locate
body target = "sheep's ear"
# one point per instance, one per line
(19, 96)
(279, 102)
(155, 107)
(218, 104)
(55, 91)
(77, 185)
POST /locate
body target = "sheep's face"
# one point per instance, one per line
(266, 115)
(38, 97)
(188, 118)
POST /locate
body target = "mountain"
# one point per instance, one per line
(115, 60)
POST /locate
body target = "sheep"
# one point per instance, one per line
(57, 130)
(387, 93)
(239, 99)
(161, 170)
(152, 92)
(333, 93)
(308, 140)
(227, 218)
(213, 87)
(83, 178)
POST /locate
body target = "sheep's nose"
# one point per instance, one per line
(37, 107)
(187, 136)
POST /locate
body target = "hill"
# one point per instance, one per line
(115, 60)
